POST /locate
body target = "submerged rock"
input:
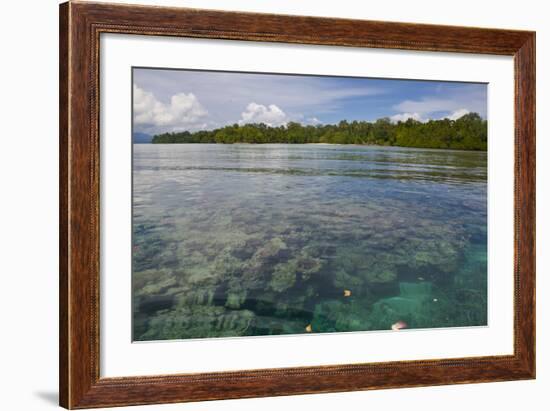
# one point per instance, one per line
(407, 307)
(380, 275)
(151, 282)
(283, 277)
(270, 249)
(344, 280)
(308, 266)
(337, 316)
(235, 299)
(197, 322)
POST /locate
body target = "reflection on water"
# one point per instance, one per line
(239, 240)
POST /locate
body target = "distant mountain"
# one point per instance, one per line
(141, 138)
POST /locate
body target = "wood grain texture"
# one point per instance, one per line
(525, 203)
(63, 205)
(80, 27)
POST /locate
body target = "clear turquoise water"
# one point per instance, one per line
(237, 240)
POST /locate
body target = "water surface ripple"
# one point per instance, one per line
(239, 240)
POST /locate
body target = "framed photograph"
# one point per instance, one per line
(259, 205)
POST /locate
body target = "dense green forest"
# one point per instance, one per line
(467, 133)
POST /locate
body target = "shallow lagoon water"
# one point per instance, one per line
(241, 240)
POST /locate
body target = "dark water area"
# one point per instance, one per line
(241, 240)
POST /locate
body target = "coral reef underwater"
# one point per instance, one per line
(244, 240)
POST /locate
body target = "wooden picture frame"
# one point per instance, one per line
(80, 27)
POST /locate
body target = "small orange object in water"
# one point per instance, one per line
(308, 328)
(399, 325)
(347, 293)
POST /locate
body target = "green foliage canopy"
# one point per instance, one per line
(469, 132)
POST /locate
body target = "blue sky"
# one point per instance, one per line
(176, 100)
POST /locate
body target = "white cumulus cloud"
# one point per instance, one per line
(405, 116)
(183, 112)
(313, 121)
(258, 113)
(454, 105)
(455, 115)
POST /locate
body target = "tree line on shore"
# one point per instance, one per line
(469, 132)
